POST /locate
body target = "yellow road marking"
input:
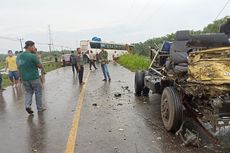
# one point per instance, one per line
(74, 129)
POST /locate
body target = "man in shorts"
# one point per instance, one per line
(12, 67)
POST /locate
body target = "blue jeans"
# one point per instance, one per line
(13, 75)
(105, 71)
(31, 87)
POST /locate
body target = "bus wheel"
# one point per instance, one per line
(139, 83)
(171, 109)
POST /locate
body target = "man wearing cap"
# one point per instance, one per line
(12, 67)
(104, 64)
(28, 64)
(225, 28)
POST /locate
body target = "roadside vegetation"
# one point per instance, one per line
(134, 62)
(52, 66)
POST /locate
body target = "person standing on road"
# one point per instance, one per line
(28, 64)
(13, 69)
(1, 88)
(92, 59)
(225, 28)
(80, 66)
(104, 64)
(73, 61)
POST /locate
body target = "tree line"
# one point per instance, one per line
(143, 48)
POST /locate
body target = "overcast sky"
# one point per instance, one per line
(112, 20)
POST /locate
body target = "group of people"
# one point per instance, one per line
(26, 68)
(77, 62)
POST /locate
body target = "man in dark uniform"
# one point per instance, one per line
(225, 28)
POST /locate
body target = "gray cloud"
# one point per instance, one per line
(112, 20)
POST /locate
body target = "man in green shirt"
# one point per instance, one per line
(28, 65)
(104, 62)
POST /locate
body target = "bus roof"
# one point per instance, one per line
(104, 42)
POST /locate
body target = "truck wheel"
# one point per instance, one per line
(171, 109)
(182, 35)
(139, 82)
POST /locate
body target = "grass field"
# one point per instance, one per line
(52, 66)
(134, 62)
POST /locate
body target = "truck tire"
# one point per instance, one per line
(139, 83)
(171, 109)
(183, 35)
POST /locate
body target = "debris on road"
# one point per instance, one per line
(119, 104)
(94, 104)
(116, 150)
(126, 88)
(121, 129)
(158, 138)
(117, 94)
(34, 150)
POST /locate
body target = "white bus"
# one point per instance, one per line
(110, 47)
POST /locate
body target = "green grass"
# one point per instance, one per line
(134, 62)
(6, 81)
(52, 66)
(1, 65)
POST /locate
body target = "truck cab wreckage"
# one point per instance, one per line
(192, 74)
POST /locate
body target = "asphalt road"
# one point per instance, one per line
(107, 124)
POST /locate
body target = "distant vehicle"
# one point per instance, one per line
(66, 60)
(110, 47)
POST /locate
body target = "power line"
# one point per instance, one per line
(8, 38)
(38, 43)
(13, 39)
(225, 5)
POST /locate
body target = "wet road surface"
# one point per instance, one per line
(108, 124)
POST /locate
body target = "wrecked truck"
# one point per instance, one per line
(192, 75)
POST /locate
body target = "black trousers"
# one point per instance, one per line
(81, 73)
(92, 62)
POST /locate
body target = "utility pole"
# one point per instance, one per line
(50, 39)
(20, 40)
